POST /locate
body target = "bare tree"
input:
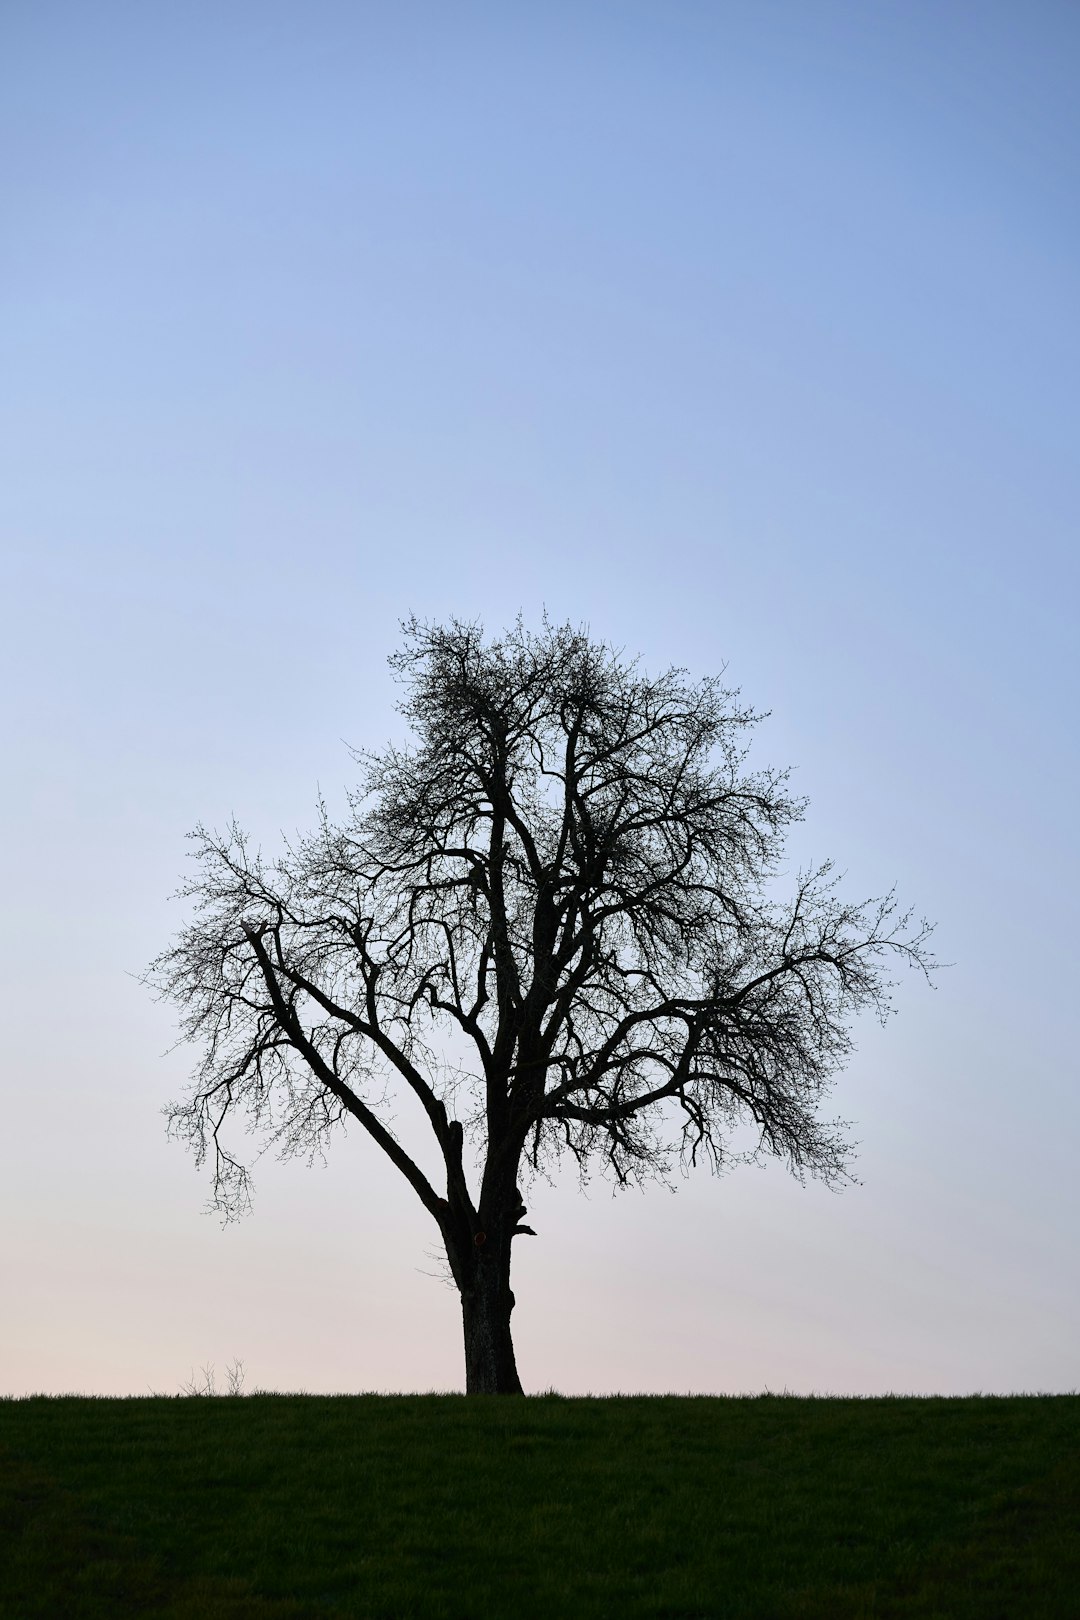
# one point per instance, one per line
(569, 876)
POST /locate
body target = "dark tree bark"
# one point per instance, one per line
(571, 873)
(486, 1303)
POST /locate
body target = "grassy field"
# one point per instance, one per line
(273, 1507)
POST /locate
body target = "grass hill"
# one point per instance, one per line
(274, 1507)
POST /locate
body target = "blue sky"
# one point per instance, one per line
(745, 334)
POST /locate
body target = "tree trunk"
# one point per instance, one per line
(490, 1368)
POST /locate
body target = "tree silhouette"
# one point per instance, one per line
(570, 874)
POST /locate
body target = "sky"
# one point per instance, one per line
(742, 333)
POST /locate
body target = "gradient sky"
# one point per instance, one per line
(745, 333)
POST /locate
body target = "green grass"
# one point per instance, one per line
(275, 1507)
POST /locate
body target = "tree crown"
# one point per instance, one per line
(571, 871)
